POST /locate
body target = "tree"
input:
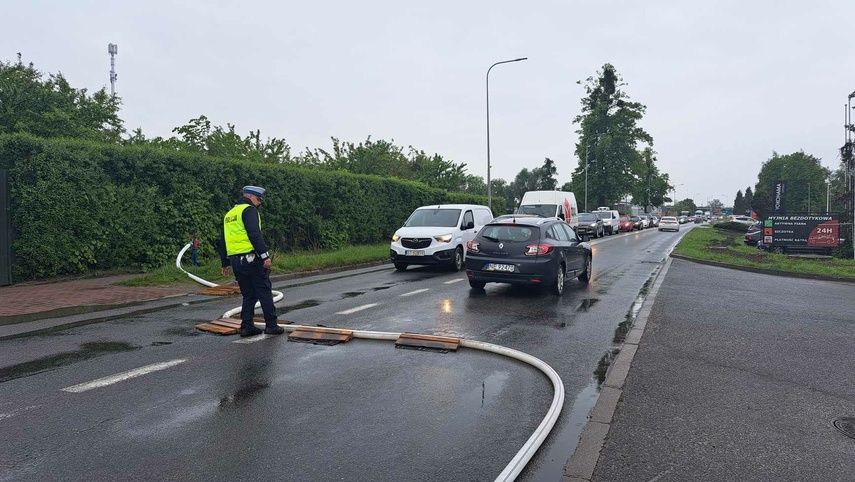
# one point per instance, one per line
(685, 205)
(50, 107)
(651, 187)
(739, 203)
(608, 136)
(749, 200)
(546, 176)
(805, 177)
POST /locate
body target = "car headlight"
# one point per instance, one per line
(593, 225)
(395, 237)
(445, 238)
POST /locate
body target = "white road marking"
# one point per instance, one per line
(358, 308)
(119, 377)
(252, 339)
(453, 281)
(411, 293)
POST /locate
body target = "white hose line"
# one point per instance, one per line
(527, 451)
(277, 295)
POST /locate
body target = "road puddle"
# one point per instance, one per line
(299, 306)
(587, 304)
(86, 351)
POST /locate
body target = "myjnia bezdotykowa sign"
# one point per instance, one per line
(821, 231)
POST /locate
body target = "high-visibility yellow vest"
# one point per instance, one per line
(237, 241)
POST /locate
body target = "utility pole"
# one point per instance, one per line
(113, 50)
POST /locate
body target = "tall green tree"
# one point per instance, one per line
(48, 106)
(650, 187)
(749, 201)
(739, 203)
(805, 177)
(609, 137)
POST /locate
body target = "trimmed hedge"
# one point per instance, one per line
(79, 206)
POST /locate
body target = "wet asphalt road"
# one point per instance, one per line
(747, 394)
(277, 410)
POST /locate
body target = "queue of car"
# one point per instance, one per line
(545, 244)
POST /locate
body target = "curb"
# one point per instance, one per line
(773, 272)
(580, 467)
(51, 322)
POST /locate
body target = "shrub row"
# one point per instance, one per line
(79, 206)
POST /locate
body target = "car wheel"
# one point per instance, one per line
(586, 275)
(457, 264)
(558, 287)
(401, 266)
(477, 285)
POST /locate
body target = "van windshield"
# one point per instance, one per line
(604, 215)
(545, 210)
(433, 217)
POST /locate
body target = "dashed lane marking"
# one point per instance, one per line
(358, 308)
(411, 293)
(119, 377)
(252, 339)
(453, 281)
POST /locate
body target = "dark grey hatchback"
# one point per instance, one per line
(528, 251)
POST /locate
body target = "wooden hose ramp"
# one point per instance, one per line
(321, 335)
(221, 290)
(428, 342)
(230, 326)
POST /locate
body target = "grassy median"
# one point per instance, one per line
(727, 246)
(209, 269)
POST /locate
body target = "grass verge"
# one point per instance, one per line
(209, 269)
(726, 246)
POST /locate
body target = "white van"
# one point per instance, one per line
(550, 204)
(437, 235)
(611, 219)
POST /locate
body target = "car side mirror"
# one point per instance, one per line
(469, 225)
(585, 238)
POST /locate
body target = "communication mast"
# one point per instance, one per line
(113, 50)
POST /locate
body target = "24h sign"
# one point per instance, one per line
(816, 231)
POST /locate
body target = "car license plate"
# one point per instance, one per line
(414, 252)
(499, 267)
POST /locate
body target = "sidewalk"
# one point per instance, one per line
(738, 376)
(27, 302)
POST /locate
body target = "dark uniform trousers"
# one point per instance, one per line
(254, 282)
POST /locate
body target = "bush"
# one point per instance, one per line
(731, 226)
(79, 206)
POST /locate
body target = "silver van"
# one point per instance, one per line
(611, 219)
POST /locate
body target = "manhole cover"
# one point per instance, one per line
(846, 425)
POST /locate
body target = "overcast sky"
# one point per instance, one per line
(725, 82)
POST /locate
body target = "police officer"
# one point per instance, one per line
(243, 249)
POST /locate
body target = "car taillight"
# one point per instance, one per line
(537, 249)
(473, 246)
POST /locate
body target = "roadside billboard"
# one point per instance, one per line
(815, 231)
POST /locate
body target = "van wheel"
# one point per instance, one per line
(586, 275)
(457, 264)
(477, 285)
(558, 287)
(401, 266)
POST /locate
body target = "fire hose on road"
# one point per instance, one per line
(527, 451)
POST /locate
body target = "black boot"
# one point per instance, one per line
(274, 330)
(250, 332)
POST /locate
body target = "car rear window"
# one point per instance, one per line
(545, 210)
(512, 233)
(433, 217)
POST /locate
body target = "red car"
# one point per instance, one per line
(627, 224)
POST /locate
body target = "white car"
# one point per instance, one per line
(437, 235)
(742, 220)
(669, 223)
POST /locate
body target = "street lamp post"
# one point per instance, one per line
(827, 194)
(587, 146)
(489, 191)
